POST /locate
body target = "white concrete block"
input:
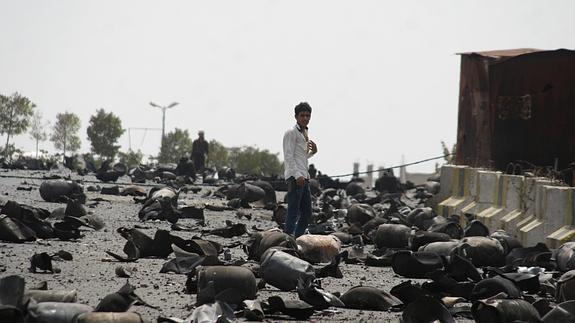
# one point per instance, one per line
(463, 182)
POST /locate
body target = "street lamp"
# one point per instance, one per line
(164, 108)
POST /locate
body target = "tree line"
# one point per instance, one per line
(18, 114)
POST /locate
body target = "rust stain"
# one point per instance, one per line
(516, 105)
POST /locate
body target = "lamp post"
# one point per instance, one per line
(164, 108)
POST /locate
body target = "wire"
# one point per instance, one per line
(343, 175)
(398, 166)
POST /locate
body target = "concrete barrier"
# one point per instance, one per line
(486, 192)
(449, 181)
(534, 209)
(530, 229)
(529, 204)
(506, 199)
(460, 190)
(553, 217)
(560, 221)
(559, 237)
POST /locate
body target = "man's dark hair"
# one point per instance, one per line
(302, 107)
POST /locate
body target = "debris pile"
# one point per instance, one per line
(383, 251)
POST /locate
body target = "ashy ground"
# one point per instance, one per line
(92, 273)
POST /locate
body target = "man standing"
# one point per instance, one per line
(297, 149)
(200, 151)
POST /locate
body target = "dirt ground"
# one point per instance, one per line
(92, 274)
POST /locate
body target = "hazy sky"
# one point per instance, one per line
(382, 76)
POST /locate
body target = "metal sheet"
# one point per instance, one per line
(518, 108)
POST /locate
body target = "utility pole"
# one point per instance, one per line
(164, 108)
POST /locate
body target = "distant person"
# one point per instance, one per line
(297, 148)
(200, 149)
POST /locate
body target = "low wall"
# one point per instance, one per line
(532, 208)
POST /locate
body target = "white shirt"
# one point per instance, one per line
(295, 154)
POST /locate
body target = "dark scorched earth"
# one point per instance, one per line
(178, 250)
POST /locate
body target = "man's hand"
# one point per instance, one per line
(300, 181)
(312, 146)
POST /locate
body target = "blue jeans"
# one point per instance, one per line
(298, 210)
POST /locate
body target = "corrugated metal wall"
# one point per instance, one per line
(473, 129)
(517, 108)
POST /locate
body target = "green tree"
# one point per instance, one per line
(15, 113)
(177, 144)
(103, 133)
(65, 132)
(251, 160)
(131, 158)
(10, 150)
(218, 155)
(38, 129)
